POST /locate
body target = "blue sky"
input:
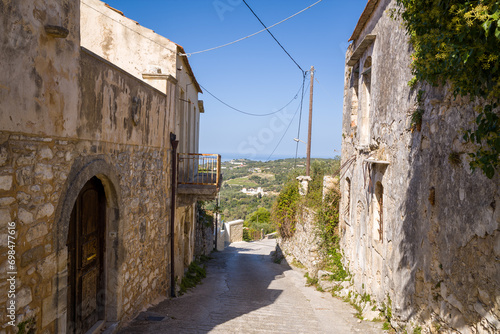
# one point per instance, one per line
(255, 75)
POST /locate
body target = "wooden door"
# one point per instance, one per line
(86, 258)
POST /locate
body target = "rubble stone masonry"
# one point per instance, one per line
(419, 228)
(40, 171)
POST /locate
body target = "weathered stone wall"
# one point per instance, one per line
(236, 232)
(184, 238)
(41, 176)
(67, 115)
(417, 225)
(41, 168)
(303, 245)
(204, 237)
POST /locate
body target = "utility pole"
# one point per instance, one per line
(308, 163)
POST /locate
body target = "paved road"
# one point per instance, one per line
(246, 292)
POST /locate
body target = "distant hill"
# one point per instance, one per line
(270, 176)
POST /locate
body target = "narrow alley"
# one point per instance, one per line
(246, 292)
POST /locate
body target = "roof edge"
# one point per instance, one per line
(182, 54)
(363, 19)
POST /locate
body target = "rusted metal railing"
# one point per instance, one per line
(198, 169)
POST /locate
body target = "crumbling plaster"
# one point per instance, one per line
(117, 38)
(52, 67)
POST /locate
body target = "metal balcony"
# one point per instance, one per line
(199, 175)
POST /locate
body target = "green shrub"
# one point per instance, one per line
(193, 276)
(284, 211)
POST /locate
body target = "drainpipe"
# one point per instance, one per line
(174, 144)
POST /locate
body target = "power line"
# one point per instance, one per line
(258, 32)
(295, 114)
(300, 107)
(270, 33)
(252, 114)
(300, 119)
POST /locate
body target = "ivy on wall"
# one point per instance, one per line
(327, 228)
(458, 41)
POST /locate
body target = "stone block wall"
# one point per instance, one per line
(204, 239)
(36, 173)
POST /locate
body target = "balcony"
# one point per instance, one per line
(199, 175)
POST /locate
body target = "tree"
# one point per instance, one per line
(261, 216)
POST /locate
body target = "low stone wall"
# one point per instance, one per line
(233, 231)
(303, 246)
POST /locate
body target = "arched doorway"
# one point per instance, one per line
(86, 249)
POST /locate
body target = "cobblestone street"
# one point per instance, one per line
(246, 292)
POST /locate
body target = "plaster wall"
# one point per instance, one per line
(151, 58)
(39, 73)
(147, 56)
(117, 39)
(116, 107)
(437, 259)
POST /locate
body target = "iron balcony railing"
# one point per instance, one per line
(198, 169)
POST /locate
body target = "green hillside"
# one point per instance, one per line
(270, 176)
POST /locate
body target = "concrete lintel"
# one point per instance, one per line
(159, 76)
(356, 55)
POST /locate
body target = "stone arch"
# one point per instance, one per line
(82, 170)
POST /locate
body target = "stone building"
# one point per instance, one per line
(419, 229)
(88, 102)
